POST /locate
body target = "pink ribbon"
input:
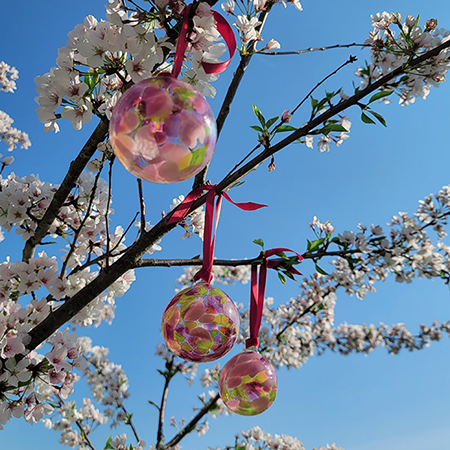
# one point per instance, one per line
(257, 290)
(209, 237)
(223, 28)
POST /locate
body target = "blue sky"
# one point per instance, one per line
(361, 403)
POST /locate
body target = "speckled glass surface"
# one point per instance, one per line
(201, 323)
(248, 383)
(162, 130)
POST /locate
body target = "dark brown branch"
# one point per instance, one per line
(141, 204)
(232, 262)
(193, 423)
(311, 49)
(133, 254)
(76, 167)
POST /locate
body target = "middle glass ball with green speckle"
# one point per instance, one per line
(201, 323)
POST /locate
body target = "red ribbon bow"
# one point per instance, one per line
(257, 289)
(223, 28)
(209, 237)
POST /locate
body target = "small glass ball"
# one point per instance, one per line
(248, 383)
(162, 130)
(201, 323)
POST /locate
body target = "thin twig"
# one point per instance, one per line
(311, 49)
(193, 423)
(350, 60)
(83, 222)
(162, 408)
(130, 422)
(128, 260)
(108, 239)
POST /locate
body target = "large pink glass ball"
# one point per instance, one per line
(162, 130)
(201, 323)
(248, 383)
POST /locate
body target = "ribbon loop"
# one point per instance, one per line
(223, 27)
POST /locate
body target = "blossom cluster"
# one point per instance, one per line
(8, 77)
(389, 52)
(29, 385)
(12, 136)
(103, 57)
(257, 439)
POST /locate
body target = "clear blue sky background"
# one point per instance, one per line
(361, 403)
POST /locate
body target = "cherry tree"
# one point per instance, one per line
(49, 301)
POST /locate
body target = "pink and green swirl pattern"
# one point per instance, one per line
(201, 323)
(162, 130)
(248, 383)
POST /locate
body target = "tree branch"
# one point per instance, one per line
(76, 167)
(132, 255)
(232, 262)
(193, 423)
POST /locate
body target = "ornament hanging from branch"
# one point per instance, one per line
(248, 381)
(201, 323)
(162, 129)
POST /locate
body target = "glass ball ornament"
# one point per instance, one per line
(162, 130)
(248, 383)
(201, 323)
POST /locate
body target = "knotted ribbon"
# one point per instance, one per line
(209, 237)
(223, 28)
(257, 290)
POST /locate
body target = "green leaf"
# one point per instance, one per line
(259, 242)
(283, 128)
(314, 102)
(282, 278)
(259, 115)
(128, 417)
(289, 274)
(271, 121)
(108, 445)
(237, 184)
(153, 403)
(257, 128)
(379, 95)
(366, 119)
(313, 246)
(321, 271)
(332, 127)
(379, 117)
(196, 257)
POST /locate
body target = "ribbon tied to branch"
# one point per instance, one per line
(209, 237)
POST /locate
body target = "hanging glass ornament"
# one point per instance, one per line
(162, 130)
(201, 323)
(248, 383)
